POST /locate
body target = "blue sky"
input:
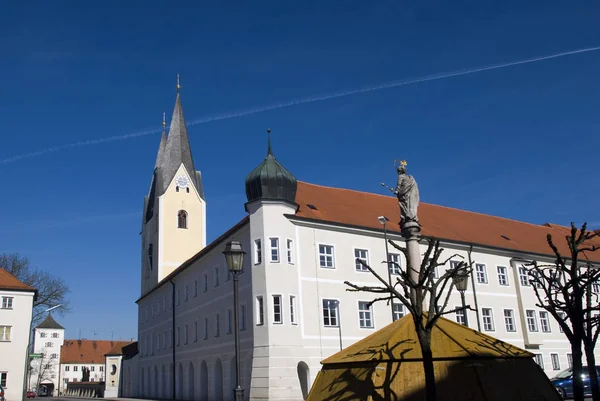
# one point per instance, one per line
(519, 142)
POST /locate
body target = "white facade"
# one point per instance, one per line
(45, 370)
(15, 324)
(72, 372)
(282, 347)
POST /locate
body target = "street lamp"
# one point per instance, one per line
(383, 220)
(461, 280)
(234, 256)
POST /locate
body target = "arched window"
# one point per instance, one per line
(182, 219)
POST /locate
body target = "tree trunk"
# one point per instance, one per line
(591, 363)
(425, 343)
(577, 369)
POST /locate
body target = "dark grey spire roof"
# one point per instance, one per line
(49, 323)
(161, 150)
(271, 181)
(177, 151)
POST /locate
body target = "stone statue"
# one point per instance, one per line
(407, 193)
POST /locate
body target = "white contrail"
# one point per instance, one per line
(310, 99)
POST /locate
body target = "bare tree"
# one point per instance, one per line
(52, 290)
(561, 289)
(42, 369)
(414, 296)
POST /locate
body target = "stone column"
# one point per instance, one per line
(411, 231)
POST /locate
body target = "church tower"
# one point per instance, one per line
(174, 218)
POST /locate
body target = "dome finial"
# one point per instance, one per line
(269, 151)
(178, 86)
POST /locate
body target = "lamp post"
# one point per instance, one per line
(461, 280)
(234, 256)
(383, 220)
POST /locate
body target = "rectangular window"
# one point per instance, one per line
(75, 368)
(595, 287)
(7, 302)
(488, 319)
(509, 320)
(570, 360)
(43, 335)
(216, 276)
(481, 273)
(3, 378)
(185, 295)
(544, 322)
(293, 309)
(195, 288)
(274, 244)
(531, 320)
(523, 276)
(217, 325)
(398, 311)
(539, 360)
(562, 316)
(555, 361)
(67, 368)
(49, 344)
(502, 275)
(330, 313)
(53, 356)
(205, 282)
(277, 315)
(260, 311)
(229, 321)
(242, 317)
(178, 336)
(395, 263)
(363, 255)
(326, 256)
(54, 335)
(290, 253)
(206, 328)
(460, 316)
(365, 315)
(186, 334)
(257, 252)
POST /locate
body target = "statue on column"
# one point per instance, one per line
(407, 193)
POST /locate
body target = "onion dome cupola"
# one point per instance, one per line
(271, 181)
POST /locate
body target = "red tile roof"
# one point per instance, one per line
(10, 282)
(86, 351)
(361, 209)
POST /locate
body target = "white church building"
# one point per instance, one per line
(301, 241)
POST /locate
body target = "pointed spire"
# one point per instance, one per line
(177, 149)
(269, 150)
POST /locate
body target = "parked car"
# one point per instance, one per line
(30, 394)
(563, 382)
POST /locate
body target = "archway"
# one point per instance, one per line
(179, 394)
(191, 395)
(218, 390)
(304, 378)
(163, 383)
(203, 381)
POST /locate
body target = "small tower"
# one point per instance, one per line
(174, 218)
(48, 338)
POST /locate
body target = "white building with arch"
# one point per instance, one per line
(301, 241)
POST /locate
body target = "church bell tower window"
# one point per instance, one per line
(182, 219)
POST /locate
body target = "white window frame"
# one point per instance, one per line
(326, 256)
(459, 315)
(370, 317)
(274, 253)
(357, 266)
(532, 328)
(524, 276)
(539, 359)
(277, 316)
(555, 361)
(510, 324)
(289, 244)
(395, 269)
(502, 272)
(258, 251)
(293, 310)
(399, 310)
(477, 273)
(7, 302)
(5, 333)
(491, 319)
(260, 310)
(545, 322)
(333, 304)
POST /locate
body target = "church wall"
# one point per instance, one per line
(204, 290)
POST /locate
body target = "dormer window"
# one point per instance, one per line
(182, 219)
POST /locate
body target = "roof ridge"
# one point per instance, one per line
(15, 277)
(434, 204)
